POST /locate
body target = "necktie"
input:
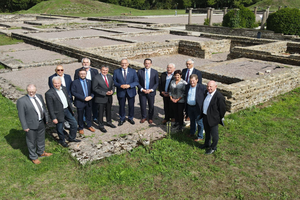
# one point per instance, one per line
(85, 88)
(187, 76)
(106, 81)
(39, 107)
(147, 79)
(125, 75)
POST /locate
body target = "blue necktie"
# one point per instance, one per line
(85, 88)
(147, 79)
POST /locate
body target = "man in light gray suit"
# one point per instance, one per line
(33, 116)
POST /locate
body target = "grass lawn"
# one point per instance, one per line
(5, 40)
(89, 8)
(258, 158)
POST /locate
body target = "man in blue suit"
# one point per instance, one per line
(81, 89)
(66, 79)
(148, 82)
(91, 73)
(125, 80)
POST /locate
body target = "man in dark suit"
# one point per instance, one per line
(148, 82)
(126, 80)
(60, 109)
(66, 79)
(186, 73)
(33, 116)
(163, 87)
(103, 88)
(91, 73)
(81, 89)
(194, 97)
(214, 109)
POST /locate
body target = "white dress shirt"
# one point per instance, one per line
(207, 101)
(188, 71)
(35, 106)
(62, 97)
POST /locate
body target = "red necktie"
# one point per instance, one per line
(106, 81)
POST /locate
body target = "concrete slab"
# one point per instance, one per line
(91, 42)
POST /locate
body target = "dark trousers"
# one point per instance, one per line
(196, 122)
(178, 112)
(35, 140)
(122, 101)
(144, 98)
(105, 107)
(94, 109)
(211, 133)
(87, 111)
(73, 126)
(168, 108)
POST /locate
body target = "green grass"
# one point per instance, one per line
(5, 40)
(258, 158)
(88, 8)
(276, 3)
(2, 66)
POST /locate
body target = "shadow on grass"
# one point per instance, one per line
(17, 140)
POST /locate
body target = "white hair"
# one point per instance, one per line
(56, 78)
(171, 64)
(85, 59)
(189, 60)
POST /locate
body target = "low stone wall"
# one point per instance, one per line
(248, 93)
(203, 49)
(275, 52)
(240, 32)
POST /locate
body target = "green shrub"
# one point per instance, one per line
(206, 21)
(286, 21)
(243, 18)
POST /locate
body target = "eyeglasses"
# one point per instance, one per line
(60, 70)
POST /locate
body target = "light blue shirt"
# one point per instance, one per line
(85, 89)
(191, 98)
(207, 101)
(168, 80)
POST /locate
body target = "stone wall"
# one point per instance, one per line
(239, 32)
(248, 93)
(275, 52)
(203, 49)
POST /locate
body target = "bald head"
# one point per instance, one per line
(211, 86)
(59, 70)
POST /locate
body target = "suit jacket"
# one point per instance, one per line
(100, 88)
(78, 93)
(94, 72)
(216, 109)
(27, 113)
(55, 106)
(200, 93)
(68, 81)
(153, 84)
(162, 83)
(131, 79)
(195, 71)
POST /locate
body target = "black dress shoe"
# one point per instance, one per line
(121, 123)
(102, 129)
(63, 144)
(110, 125)
(131, 121)
(210, 151)
(74, 140)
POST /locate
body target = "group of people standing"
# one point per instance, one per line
(92, 92)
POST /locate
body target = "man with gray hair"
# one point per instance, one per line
(60, 109)
(103, 87)
(90, 74)
(186, 73)
(33, 116)
(163, 87)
